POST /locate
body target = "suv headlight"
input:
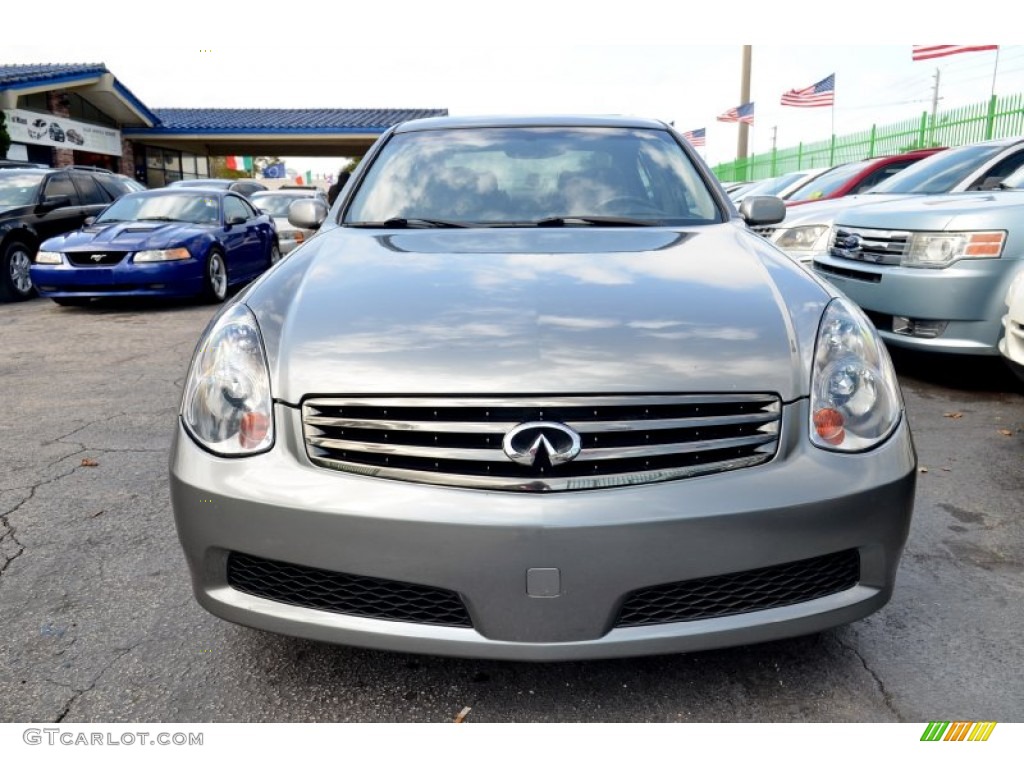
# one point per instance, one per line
(227, 405)
(855, 401)
(800, 238)
(940, 249)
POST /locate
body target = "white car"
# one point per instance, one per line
(1011, 345)
(276, 203)
(779, 186)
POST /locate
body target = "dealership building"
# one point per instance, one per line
(81, 114)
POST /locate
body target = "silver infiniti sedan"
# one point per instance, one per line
(536, 392)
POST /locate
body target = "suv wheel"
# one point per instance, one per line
(15, 281)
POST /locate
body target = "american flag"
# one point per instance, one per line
(741, 114)
(696, 137)
(922, 52)
(821, 94)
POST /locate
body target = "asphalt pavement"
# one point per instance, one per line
(97, 620)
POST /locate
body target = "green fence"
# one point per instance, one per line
(999, 117)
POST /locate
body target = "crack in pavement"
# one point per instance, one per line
(77, 692)
(886, 695)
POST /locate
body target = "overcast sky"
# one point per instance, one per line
(663, 60)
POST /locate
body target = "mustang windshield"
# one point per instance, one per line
(522, 176)
(193, 207)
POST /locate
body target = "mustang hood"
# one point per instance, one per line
(503, 311)
(126, 236)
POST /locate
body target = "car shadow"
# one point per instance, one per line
(973, 373)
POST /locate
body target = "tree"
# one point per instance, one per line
(5, 138)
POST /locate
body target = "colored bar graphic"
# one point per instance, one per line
(959, 730)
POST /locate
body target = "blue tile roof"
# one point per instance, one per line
(19, 74)
(285, 121)
(13, 75)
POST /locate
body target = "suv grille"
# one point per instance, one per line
(624, 440)
(876, 246)
(95, 259)
(343, 593)
(742, 592)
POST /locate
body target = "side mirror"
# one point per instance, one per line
(762, 210)
(89, 221)
(308, 213)
(52, 202)
(235, 220)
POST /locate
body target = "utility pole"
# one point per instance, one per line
(741, 146)
(935, 107)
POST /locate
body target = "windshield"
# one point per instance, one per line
(1015, 180)
(829, 182)
(771, 187)
(939, 173)
(531, 176)
(275, 205)
(221, 183)
(194, 207)
(19, 188)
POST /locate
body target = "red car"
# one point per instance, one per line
(853, 178)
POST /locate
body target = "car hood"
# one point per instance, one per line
(713, 309)
(966, 210)
(124, 236)
(825, 211)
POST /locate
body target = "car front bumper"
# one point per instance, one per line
(968, 295)
(167, 278)
(605, 544)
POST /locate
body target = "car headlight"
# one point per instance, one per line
(291, 234)
(800, 238)
(171, 254)
(49, 257)
(940, 249)
(227, 405)
(855, 401)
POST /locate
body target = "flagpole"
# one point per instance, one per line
(995, 71)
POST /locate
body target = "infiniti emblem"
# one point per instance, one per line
(541, 443)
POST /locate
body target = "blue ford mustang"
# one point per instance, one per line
(168, 242)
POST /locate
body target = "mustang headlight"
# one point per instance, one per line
(940, 249)
(800, 238)
(855, 401)
(227, 406)
(171, 254)
(49, 257)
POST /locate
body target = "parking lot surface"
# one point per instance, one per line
(98, 621)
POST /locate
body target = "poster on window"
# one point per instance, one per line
(56, 131)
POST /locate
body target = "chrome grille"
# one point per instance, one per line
(625, 440)
(95, 259)
(877, 246)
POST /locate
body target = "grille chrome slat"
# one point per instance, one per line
(458, 441)
(501, 427)
(597, 454)
(878, 246)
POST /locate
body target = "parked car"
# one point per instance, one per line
(807, 230)
(276, 204)
(534, 391)
(56, 132)
(932, 276)
(174, 243)
(779, 186)
(246, 187)
(75, 137)
(1011, 345)
(854, 178)
(38, 203)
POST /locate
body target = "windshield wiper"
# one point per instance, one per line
(400, 223)
(593, 221)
